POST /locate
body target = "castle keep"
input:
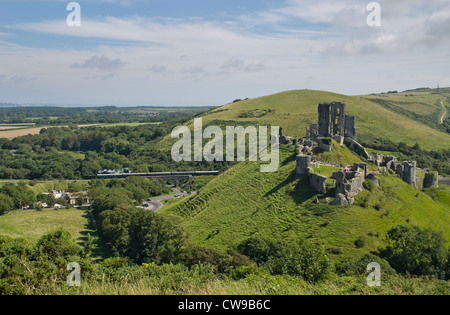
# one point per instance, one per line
(333, 122)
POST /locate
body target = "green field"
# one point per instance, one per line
(32, 225)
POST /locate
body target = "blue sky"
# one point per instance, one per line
(209, 52)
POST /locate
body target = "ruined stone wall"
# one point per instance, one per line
(409, 173)
(350, 127)
(324, 120)
(431, 180)
(303, 165)
(348, 185)
(337, 119)
(318, 183)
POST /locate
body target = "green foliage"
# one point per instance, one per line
(152, 238)
(222, 262)
(27, 268)
(257, 249)
(307, 261)
(354, 266)
(417, 251)
(360, 242)
(369, 185)
(20, 194)
(6, 203)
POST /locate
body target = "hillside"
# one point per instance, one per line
(294, 111)
(243, 202)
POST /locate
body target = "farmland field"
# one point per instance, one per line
(11, 134)
(32, 225)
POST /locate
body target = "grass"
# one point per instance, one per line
(33, 225)
(423, 106)
(177, 280)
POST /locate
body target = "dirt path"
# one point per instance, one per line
(445, 111)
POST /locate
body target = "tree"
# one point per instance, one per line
(307, 261)
(6, 204)
(153, 238)
(114, 226)
(417, 251)
(257, 248)
(20, 194)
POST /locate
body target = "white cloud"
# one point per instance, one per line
(208, 61)
(99, 62)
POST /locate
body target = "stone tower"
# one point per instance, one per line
(409, 173)
(337, 127)
(333, 121)
(431, 180)
(324, 120)
(303, 165)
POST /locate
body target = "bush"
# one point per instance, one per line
(369, 185)
(245, 271)
(417, 251)
(28, 269)
(351, 267)
(307, 261)
(256, 248)
(222, 262)
(360, 242)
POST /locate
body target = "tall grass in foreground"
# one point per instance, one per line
(179, 280)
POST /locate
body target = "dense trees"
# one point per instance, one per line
(17, 195)
(71, 153)
(307, 261)
(6, 203)
(46, 115)
(417, 251)
(27, 268)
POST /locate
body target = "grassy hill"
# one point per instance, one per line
(392, 117)
(243, 202)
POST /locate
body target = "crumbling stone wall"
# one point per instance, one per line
(303, 165)
(409, 173)
(431, 180)
(318, 183)
(348, 185)
(333, 121)
(324, 120)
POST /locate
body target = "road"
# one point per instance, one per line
(154, 204)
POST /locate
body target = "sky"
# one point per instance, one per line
(210, 52)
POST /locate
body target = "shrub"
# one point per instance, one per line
(245, 271)
(256, 248)
(417, 251)
(369, 185)
(222, 262)
(350, 267)
(307, 261)
(360, 242)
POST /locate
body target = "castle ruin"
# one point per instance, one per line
(334, 123)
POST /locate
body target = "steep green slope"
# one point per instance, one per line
(243, 202)
(428, 108)
(294, 111)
